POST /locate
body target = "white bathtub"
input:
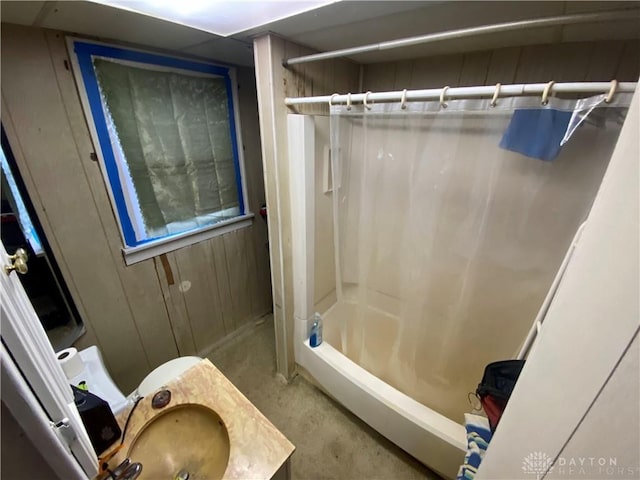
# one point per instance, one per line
(432, 438)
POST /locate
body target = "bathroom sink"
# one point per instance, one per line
(188, 438)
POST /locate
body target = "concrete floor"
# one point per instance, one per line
(330, 442)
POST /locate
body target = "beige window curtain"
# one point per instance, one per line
(174, 131)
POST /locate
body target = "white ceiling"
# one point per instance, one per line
(220, 17)
(338, 25)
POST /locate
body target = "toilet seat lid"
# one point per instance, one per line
(166, 372)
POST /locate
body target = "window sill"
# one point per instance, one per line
(165, 245)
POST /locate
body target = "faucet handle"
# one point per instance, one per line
(132, 472)
(126, 471)
(116, 472)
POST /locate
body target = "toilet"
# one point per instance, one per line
(164, 373)
(100, 383)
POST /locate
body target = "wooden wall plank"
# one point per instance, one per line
(565, 62)
(503, 66)
(255, 183)
(198, 287)
(238, 275)
(403, 74)
(314, 73)
(176, 308)
(329, 83)
(271, 85)
(294, 74)
(246, 235)
(379, 76)
(219, 255)
(604, 61)
(263, 72)
(436, 72)
(629, 67)
(264, 272)
(474, 69)
(560, 63)
(264, 75)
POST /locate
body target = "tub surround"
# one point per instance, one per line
(258, 449)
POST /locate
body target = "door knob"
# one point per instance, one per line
(18, 262)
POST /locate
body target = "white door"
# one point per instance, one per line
(28, 345)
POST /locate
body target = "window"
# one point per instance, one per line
(17, 208)
(167, 136)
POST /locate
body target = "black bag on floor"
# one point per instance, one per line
(496, 386)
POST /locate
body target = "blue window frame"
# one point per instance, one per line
(85, 53)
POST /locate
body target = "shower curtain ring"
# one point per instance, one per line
(494, 100)
(546, 92)
(365, 101)
(612, 91)
(349, 101)
(442, 93)
(331, 99)
(403, 100)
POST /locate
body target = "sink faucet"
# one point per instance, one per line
(126, 471)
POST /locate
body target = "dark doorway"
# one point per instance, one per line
(43, 282)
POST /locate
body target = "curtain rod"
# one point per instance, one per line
(466, 92)
(628, 14)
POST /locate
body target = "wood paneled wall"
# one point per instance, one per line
(566, 62)
(132, 313)
(274, 84)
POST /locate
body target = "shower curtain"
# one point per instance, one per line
(447, 237)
